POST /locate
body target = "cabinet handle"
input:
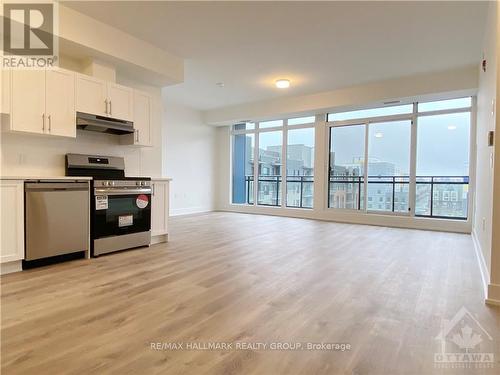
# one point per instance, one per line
(50, 124)
(110, 108)
(43, 121)
(137, 135)
(106, 106)
(153, 189)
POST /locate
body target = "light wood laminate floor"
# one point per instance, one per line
(236, 278)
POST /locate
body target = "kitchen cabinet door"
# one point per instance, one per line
(5, 75)
(60, 103)
(91, 95)
(143, 111)
(12, 215)
(121, 102)
(28, 101)
(159, 207)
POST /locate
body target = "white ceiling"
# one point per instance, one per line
(319, 46)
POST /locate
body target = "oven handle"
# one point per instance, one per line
(118, 191)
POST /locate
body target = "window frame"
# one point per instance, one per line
(413, 117)
(284, 143)
(322, 165)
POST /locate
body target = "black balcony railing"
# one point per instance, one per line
(450, 202)
(444, 197)
(436, 196)
(299, 191)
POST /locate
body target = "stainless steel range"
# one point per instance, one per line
(120, 206)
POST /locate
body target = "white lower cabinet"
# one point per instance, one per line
(12, 222)
(159, 209)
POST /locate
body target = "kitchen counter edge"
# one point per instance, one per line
(47, 178)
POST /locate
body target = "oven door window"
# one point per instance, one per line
(121, 214)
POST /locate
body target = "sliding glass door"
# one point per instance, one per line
(389, 145)
(270, 163)
(410, 159)
(347, 167)
(443, 167)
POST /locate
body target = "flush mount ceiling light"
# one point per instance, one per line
(379, 135)
(220, 84)
(282, 83)
(452, 127)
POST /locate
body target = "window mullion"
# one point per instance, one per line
(284, 144)
(412, 188)
(365, 174)
(256, 158)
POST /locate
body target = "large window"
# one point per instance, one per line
(440, 184)
(300, 168)
(389, 166)
(270, 163)
(347, 167)
(243, 168)
(292, 186)
(410, 159)
(443, 165)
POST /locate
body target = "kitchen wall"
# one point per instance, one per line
(483, 225)
(190, 159)
(40, 155)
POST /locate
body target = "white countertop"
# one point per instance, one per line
(66, 178)
(161, 179)
(45, 178)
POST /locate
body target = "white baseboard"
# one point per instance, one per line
(159, 239)
(493, 295)
(189, 210)
(10, 267)
(483, 269)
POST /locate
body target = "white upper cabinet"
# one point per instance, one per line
(91, 95)
(43, 102)
(28, 101)
(60, 103)
(143, 120)
(102, 98)
(46, 102)
(120, 102)
(5, 80)
(143, 112)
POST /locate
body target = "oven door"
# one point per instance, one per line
(120, 211)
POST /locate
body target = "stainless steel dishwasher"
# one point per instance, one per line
(57, 218)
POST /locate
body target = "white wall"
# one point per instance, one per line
(484, 167)
(190, 159)
(494, 287)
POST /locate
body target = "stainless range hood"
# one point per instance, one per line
(103, 124)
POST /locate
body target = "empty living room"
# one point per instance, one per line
(250, 187)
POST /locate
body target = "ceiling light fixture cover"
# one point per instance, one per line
(283, 83)
(452, 127)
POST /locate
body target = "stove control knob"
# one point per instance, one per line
(138, 183)
(107, 183)
(143, 183)
(112, 183)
